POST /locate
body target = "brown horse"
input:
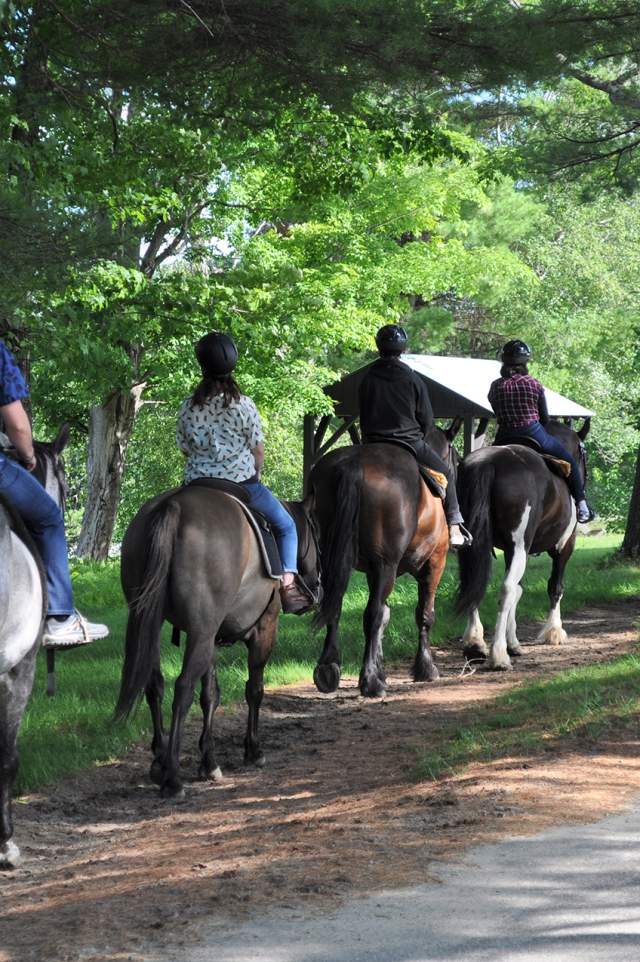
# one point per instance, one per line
(191, 557)
(511, 500)
(375, 513)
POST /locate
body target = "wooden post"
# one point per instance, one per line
(308, 449)
(468, 434)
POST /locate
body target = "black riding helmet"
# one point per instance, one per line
(516, 352)
(217, 354)
(391, 339)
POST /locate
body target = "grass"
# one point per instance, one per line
(74, 730)
(582, 703)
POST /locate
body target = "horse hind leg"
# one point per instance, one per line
(473, 644)
(326, 674)
(372, 681)
(513, 645)
(15, 688)
(260, 647)
(516, 562)
(209, 701)
(424, 668)
(154, 693)
(552, 632)
(197, 660)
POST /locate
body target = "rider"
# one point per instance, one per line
(64, 625)
(394, 403)
(220, 433)
(520, 406)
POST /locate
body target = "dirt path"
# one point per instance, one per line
(111, 871)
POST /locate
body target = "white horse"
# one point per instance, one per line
(22, 610)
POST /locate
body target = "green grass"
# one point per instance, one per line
(74, 730)
(581, 703)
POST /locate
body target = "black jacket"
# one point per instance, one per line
(394, 402)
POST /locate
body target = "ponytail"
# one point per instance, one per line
(508, 370)
(210, 387)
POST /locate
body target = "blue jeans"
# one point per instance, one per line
(549, 445)
(283, 525)
(44, 520)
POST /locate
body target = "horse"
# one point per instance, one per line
(376, 514)
(512, 500)
(23, 604)
(191, 557)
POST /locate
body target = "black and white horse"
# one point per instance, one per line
(511, 500)
(23, 602)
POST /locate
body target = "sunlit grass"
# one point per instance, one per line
(74, 730)
(581, 702)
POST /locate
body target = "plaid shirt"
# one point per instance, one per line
(517, 400)
(12, 384)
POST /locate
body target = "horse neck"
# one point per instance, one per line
(49, 472)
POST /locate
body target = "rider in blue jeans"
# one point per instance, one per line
(520, 406)
(220, 433)
(64, 625)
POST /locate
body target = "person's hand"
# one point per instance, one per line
(29, 463)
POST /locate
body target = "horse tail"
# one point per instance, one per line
(339, 541)
(146, 611)
(475, 482)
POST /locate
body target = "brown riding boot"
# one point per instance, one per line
(294, 601)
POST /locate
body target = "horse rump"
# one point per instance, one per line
(146, 608)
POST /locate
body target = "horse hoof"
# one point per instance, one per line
(10, 856)
(425, 673)
(259, 760)
(173, 791)
(156, 772)
(327, 678)
(556, 636)
(372, 687)
(515, 652)
(474, 653)
(210, 774)
(499, 666)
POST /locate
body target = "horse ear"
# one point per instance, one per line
(62, 439)
(453, 429)
(584, 430)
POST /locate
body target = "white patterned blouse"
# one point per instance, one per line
(219, 441)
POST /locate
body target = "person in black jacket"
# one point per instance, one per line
(394, 403)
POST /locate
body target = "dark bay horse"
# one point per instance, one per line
(375, 513)
(511, 500)
(190, 556)
(23, 601)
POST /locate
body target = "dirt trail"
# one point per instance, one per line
(111, 870)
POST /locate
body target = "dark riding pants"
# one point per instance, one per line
(430, 459)
(549, 445)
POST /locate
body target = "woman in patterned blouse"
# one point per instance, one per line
(220, 433)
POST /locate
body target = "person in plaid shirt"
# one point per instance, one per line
(520, 406)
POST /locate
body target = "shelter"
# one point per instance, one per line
(458, 388)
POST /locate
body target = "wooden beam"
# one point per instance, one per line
(347, 423)
(354, 434)
(325, 420)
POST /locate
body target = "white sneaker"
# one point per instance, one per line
(458, 537)
(74, 630)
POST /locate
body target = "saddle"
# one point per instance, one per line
(555, 465)
(434, 480)
(260, 525)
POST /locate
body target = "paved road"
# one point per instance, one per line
(569, 895)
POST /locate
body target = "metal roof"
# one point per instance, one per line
(458, 386)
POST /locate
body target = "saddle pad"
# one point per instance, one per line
(557, 465)
(434, 480)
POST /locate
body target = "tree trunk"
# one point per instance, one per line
(110, 428)
(631, 544)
